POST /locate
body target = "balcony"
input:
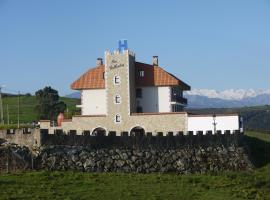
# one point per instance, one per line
(179, 99)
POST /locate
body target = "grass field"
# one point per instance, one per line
(27, 108)
(76, 185)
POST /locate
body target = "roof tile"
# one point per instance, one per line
(153, 76)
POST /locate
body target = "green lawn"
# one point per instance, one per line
(261, 136)
(77, 185)
(27, 108)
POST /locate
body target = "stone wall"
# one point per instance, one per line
(181, 154)
(202, 159)
(26, 137)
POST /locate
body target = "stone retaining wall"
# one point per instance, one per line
(184, 160)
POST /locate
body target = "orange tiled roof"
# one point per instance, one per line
(153, 76)
(92, 79)
(156, 76)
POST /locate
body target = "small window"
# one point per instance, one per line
(177, 108)
(139, 109)
(141, 73)
(117, 99)
(116, 80)
(139, 93)
(117, 118)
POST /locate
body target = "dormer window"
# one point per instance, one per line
(141, 73)
(116, 80)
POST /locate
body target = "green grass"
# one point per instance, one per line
(258, 135)
(27, 108)
(78, 185)
(114, 186)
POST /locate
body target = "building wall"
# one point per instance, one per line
(205, 123)
(164, 99)
(118, 64)
(149, 101)
(154, 123)
(155, 99)
(94, 102)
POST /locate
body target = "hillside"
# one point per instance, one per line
(27, 108)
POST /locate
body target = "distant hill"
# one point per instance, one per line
(74, 95)
(27, 107)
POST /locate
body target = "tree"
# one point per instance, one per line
(49, 105)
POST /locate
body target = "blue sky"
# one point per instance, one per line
(208, 44)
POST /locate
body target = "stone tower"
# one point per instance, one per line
(120, 86)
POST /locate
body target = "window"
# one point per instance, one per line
(117, 118)
(177, 108)
(117, 99)
(141, 73)
(139, 109)
(116, 80)
(139, 93)
(177, 92)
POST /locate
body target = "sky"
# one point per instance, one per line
(208, 44)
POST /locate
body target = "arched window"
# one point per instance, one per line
(117, 99)
(117, 118)
(116, 80)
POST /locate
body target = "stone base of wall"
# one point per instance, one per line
(184, 160)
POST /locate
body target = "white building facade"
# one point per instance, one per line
(126, 96)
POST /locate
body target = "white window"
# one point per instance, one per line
(117, 99)
(117, 118)
(141, 73)
(116, 80)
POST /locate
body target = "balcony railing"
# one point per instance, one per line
(178, 99)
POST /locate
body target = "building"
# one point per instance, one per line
(127, 96)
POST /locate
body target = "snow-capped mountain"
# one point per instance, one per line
(231, 94)
(205, 98)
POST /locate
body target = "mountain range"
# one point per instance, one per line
(231, 98)
(206, 98)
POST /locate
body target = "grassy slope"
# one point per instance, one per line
(27, 105)
(77, 185)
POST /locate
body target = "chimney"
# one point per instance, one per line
(99, 61)
(155, 60)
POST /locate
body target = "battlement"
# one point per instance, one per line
(41, 137)
(26, 136)
(117, 52)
